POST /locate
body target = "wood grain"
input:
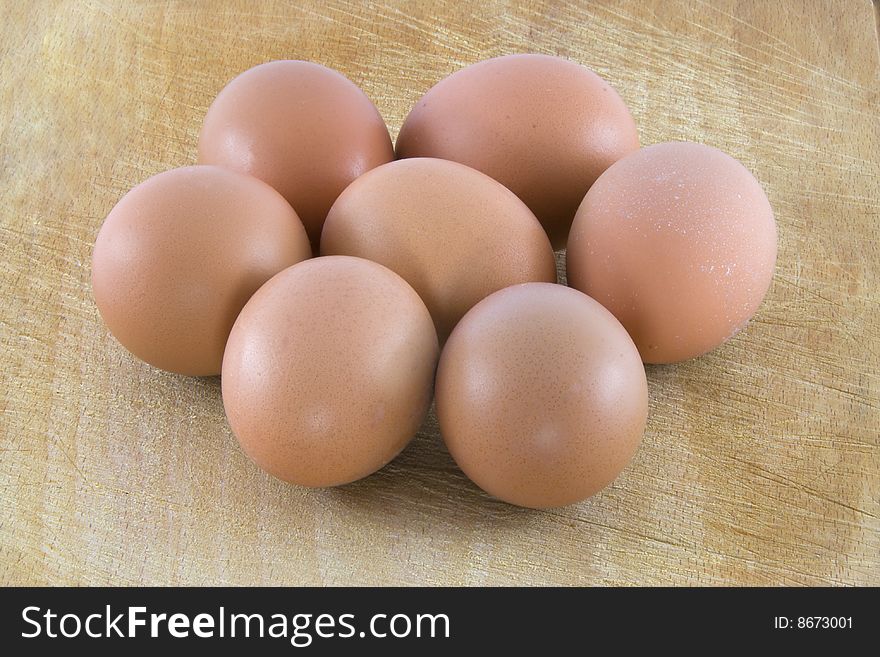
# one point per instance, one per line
(761, 462)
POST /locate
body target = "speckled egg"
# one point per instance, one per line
(544, 127)
(453, 233)
(678, 240)
(541, 395)
(180, 254)
(329, 370)
(305, 129)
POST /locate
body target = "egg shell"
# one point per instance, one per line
(451, 232)
(678, 240)
(541, 395)
(329, 371)
(305, 129)
(180, 254)
(544, 127)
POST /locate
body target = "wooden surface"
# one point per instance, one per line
(761, 462)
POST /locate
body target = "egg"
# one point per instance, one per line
(678, 240)
(180, 254)
(541, 395)
(329, 371)
(303, 128)
(451, 232)
(543, 126)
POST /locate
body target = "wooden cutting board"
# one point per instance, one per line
(761, 461)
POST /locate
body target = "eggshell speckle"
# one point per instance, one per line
(677, 240)
(329, 371)
(181, 253)
(451, 232)
(543, 126)
(303, 128)
(541, 395)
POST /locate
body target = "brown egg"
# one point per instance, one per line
(451, 232)
(541, 395)
(181, 253)
(329, 371)
(303, 128)
(677, 240)
(542, 126)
